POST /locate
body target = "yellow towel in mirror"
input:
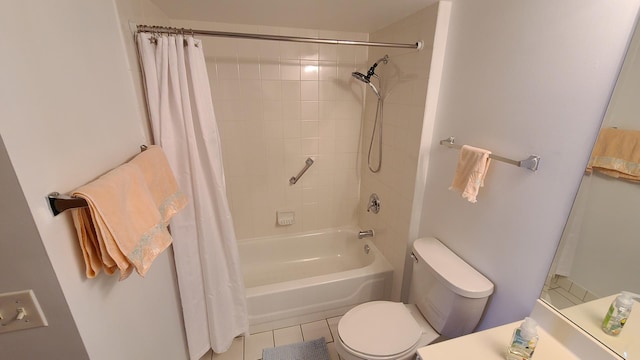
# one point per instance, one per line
(616, 154)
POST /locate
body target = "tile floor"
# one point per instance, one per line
(250, 348)
(559, 289)
(563, 293)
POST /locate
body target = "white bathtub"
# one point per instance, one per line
(306, 277)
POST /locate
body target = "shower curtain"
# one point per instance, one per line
(205, 248)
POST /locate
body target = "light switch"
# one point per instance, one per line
(20, 310)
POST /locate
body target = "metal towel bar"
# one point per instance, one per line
(307, 164)
(60, 202)
(530, 163)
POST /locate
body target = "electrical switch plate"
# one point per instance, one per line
(12, 318)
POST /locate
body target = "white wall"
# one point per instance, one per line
(24, 258)
(607, 246)
(69, 114)
(520, 78)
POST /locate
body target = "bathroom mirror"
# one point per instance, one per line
(599, 253)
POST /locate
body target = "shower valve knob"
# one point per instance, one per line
(374, 204)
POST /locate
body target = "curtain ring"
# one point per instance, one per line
(184, 38)
(194, 39)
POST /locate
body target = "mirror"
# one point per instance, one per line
(599, 253)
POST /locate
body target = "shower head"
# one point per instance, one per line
(367, 78)
(360, 76)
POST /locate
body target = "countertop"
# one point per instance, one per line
(589, 317)
(492, 344)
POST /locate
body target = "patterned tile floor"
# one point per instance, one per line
(250, 348)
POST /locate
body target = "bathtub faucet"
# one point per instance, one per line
(366, 233)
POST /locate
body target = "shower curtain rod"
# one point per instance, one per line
(170, 30)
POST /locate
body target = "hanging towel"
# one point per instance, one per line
(160, 181)
(125, 225)
(473, 164)
(617, 154)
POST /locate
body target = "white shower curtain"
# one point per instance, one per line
(205, 248)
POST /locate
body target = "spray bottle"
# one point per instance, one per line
(524, 341)
(618, 313)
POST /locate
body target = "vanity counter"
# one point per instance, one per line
(589, 317)
(491, 344)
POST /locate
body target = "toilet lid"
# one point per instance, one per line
(379, 328)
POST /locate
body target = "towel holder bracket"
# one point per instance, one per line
(60, 202)
(531, 162)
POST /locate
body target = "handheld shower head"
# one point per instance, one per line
(377, 125)
(367, 78)
(360, 76)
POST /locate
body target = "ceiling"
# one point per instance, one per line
(339, 15)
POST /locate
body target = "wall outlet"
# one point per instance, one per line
(19, 311)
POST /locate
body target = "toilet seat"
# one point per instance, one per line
(379, 330)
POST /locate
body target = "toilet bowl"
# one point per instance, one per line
(383, 330)
(446, 299)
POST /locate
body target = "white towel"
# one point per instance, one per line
(473, 164)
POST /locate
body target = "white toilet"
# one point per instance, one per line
(446, 300)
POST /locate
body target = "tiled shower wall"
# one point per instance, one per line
(276, 104)
(404, 88)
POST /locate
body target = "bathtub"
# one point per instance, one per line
(306, 277)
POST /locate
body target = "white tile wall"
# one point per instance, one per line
(404, 87)
(278, 103)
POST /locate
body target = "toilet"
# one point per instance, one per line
(446, 299)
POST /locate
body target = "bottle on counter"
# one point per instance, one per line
(524, 341)
(618, 313)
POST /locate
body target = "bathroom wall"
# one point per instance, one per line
(18, 232)
(69, 114)
(606, 223)
(278, 103)
(404, 87)
(520, 79)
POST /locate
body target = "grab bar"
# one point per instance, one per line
(530, 163)
(307, 165)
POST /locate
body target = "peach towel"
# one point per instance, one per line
(471, 170)
(125, 225)
(617, 154)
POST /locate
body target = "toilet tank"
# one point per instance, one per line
(449, 293)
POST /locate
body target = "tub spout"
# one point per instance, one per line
(365, 233)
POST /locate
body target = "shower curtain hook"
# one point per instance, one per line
(194, 39)
(185, 43)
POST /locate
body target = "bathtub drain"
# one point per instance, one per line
(366, 248)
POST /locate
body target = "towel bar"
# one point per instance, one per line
(530, 163)
(60, 202)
